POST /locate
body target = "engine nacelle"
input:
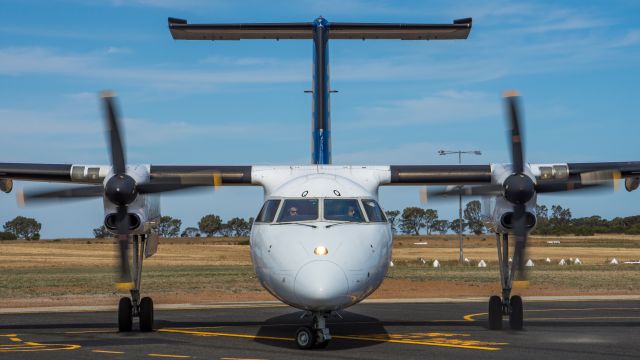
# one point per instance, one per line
(506, 220)
(135, 222)
(143, 211)
(498, 214)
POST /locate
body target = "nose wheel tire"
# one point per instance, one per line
(305, 338)
(146, 314)
(495, 313)
(125, 315)
(516, 314)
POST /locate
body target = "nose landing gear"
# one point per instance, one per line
(316, 336)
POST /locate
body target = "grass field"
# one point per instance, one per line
(81, 271)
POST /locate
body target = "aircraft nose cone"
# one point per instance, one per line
(321, 285)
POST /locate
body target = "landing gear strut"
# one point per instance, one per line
(317, 336)
(128, 308)
(507, 304)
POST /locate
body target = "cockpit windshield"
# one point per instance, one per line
(343, 210)
(374, 212)
(299, 210)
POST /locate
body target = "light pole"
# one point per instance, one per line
(460, 152)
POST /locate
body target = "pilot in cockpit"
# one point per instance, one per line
(352, 215)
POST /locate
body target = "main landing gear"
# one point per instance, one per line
(506, 305)
(128, 308)
(316, 336)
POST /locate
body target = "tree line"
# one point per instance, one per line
(410, 221)
(557, 221)
(209, 225)
(417, 221)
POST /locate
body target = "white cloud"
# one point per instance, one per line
(117, 50)
(630, 39)
(30, 60)
(445, 106)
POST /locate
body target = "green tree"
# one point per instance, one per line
(101, 232)
(225, 230)
(560, 216)
(210, 224)
(24, 228)
(440, 226)
(190, 232)
(394, 220)
(412, 220)
(430, 216)
(169, 227)
(472, 213)
(455, 226)
(239, 226)
(542, 220)
(542, 213)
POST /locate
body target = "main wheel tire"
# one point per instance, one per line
(495, 313)
(125, 315)
(305, 338)
(146, 314)
(516, 317)
(322, 344)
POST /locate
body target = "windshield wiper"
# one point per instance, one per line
(295, 223)
(343, 223)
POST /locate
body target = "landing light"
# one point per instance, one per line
(321, 251)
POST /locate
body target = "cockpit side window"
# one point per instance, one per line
(299, 210)
(343, 210)
(373, 210)
(268, 211)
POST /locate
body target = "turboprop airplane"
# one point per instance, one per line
(321, 241)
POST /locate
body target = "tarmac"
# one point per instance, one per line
(555, 328)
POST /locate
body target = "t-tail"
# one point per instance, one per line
(320, 31)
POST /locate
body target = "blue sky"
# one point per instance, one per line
(399, 102)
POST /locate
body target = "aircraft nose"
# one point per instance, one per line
(321, 285)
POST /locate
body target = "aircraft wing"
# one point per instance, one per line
(93, 174)
(482, 174)
(439, 174)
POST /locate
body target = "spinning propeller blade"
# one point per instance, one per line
(113, 129)
(24, 198)
(121, 189)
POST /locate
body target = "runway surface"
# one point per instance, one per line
(553, 330)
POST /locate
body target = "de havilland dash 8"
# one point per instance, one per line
(321, 241)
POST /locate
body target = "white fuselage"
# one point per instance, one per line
(285, 253)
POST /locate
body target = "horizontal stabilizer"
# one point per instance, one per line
(458, 30)
(181, 30)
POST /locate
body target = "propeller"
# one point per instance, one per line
(518, 188)
(120, 189)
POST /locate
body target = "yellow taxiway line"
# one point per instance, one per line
(108, 352)
(471, 317)
(399, 339)
(170, 356)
